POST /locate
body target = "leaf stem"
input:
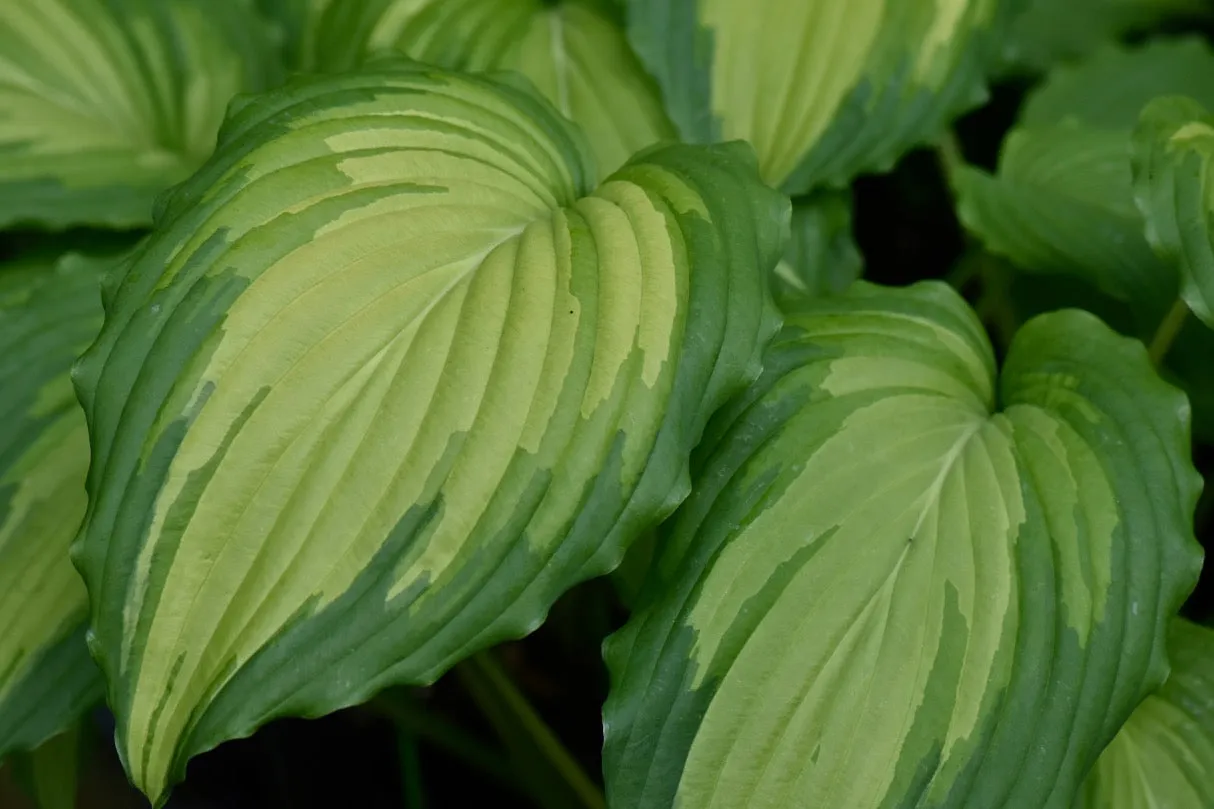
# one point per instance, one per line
(410, 769)
(1167, 331)
(951, 156)
(964, 271)
(554, 775)
(994, 306)
(425, 726)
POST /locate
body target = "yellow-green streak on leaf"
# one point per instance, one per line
(824, 90)
(1164, 754)
(904, 580)
(105, 103)
(574, 54)
(49, 312)
(398, 376)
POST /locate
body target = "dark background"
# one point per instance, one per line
(906, 229)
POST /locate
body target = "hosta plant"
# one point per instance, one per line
(695, 404)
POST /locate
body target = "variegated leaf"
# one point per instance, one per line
(824, 89)
(48, 316)
(903, 580)
(1163, 756)
(572, 50)
(105, 103)
(389, 376)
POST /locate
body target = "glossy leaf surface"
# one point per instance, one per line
(389, 376)
(904, 579)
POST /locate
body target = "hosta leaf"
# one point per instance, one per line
(1063, 198)
(48, 316)
(288, 19)
(903, 582)
(1174, 186)
(822, 257)
(823, 89)
(1062, 202)
(1049, 31)
(571, 50)
(385, 381)
(1187, 363)
(1109, 90)
(49, 774)
(1164, 754)
(105, 103)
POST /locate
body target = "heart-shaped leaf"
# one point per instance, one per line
(48, 316)
(1174, 186)
(1063, 200)
(573, 52)
(105, 103)
(387, 378)
(1164, 754)
(903, 582)
(824, 89)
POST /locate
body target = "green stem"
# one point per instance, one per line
(425, 726)
(1167, 331)
(555, 777)
(952, 158)
(410, 769)
(994, 306)
(966, 270)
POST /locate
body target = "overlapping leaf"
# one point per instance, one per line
(1187, 361)
(1164, 755)
(572, 50)
(387, 378)
(822, 257)
(48, 316)
(1063, 199)
(50, 773)
(1049, 32)
(824, 90)
(105, 103)
(903, 582)
(1174, 186)
(1062, 203)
